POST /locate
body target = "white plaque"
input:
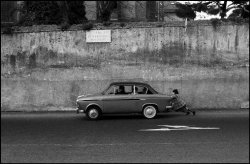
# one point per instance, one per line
(98, 36)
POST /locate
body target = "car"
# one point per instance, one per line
(124, 97)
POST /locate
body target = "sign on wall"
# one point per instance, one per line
(93, 36)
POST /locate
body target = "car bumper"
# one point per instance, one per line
(168, 108)
(79, 110)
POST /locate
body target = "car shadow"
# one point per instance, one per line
(135, 116)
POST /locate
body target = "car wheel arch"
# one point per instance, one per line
(93, 105)
(150, 104)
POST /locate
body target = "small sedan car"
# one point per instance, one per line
(124, 97)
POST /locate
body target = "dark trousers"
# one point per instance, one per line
(183, 109)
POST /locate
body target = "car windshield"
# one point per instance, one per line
(106, 90)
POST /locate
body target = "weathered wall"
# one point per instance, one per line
(48, 69)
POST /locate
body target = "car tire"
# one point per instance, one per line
(149, 112)
(93, 113)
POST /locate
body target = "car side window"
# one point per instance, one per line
(142, 90)
(127, 89)
(124, 89)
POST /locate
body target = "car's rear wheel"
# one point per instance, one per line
(93, 113)
(149, 112)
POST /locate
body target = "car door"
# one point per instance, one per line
(146, 96)
(141, 93)
(120, 103)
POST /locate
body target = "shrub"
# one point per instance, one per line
(215, 22)
(107, 23)
(122, 24)
(87, 26)
(8, 30)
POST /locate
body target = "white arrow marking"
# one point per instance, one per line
(174, 126)
(178, 127)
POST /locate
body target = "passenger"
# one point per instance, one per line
(178, 104)
(121, 90)
(136, 90)
(144, 91)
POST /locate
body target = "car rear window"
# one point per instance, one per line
(143, 90)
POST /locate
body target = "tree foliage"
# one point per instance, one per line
(105, 9)
(64, 13)
(52, 12)
(185, 11)
(241, 8)
(39, 12)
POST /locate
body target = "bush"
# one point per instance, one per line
(122, 24)
(215, 22)
(8, 30)
(238, 20)
(107, 23)
(87, 26)
(64, 26)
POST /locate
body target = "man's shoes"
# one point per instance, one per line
(193, 112)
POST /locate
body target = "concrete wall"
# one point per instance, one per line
(46, 69)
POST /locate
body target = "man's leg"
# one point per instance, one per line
(189, 110)
(184, 109)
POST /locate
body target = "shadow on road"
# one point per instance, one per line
(134, 116)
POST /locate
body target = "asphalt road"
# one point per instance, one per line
(210, 136)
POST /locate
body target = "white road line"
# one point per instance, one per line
(179, 127)
(120, 144)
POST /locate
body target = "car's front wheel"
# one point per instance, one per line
(149, 112)
(93, 113)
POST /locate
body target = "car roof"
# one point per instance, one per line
(128, 82)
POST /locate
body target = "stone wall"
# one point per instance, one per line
(43, 68)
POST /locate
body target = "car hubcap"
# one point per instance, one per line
(150, 112)
(93, 113)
